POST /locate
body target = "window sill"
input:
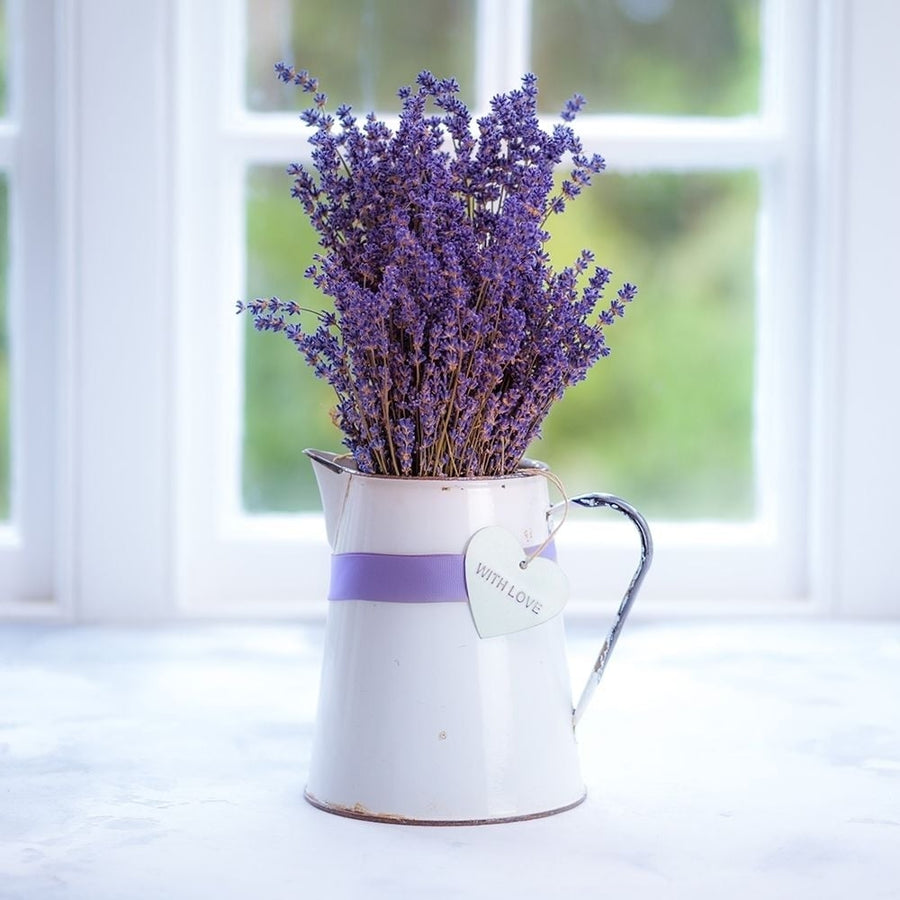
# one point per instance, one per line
(722, 758)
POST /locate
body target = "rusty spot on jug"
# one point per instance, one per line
(359, 811)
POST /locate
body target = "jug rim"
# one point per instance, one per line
(343, 463)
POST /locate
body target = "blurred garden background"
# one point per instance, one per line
(667, 419)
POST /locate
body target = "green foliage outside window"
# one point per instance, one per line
(659, 57)
(362, 49)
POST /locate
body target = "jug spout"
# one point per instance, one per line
(333, 478)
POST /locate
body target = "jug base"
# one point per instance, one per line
(360, 812)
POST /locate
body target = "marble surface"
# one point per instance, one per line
(734, 759)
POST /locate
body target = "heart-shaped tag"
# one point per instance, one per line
(504, 597)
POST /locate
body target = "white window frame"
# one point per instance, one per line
(27, 160)
(136, 189)
(765, 559)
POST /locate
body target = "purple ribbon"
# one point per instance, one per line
(390, 578)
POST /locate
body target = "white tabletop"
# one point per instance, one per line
(723, 760)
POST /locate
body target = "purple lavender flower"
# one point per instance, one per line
(452, 335)
(573, 106)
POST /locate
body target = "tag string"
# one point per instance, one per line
(557, 483)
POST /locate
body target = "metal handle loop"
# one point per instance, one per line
(593, 501)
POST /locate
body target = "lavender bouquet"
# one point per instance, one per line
(452, 335)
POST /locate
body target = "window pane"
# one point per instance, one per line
(4, 56)
(361, 50)
(668, 57)
(4, 350)
(286, 408)
(667, 420)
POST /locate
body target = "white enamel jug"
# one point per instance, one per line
(421, 720)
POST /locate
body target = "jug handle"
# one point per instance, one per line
(593, 501)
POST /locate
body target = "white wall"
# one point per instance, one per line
(858, 447)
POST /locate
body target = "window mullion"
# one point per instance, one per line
(502, 39)
(646, 142)
(636, 141)
(517, 39)
(235, 168)
(9, 133)
(231, 85)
